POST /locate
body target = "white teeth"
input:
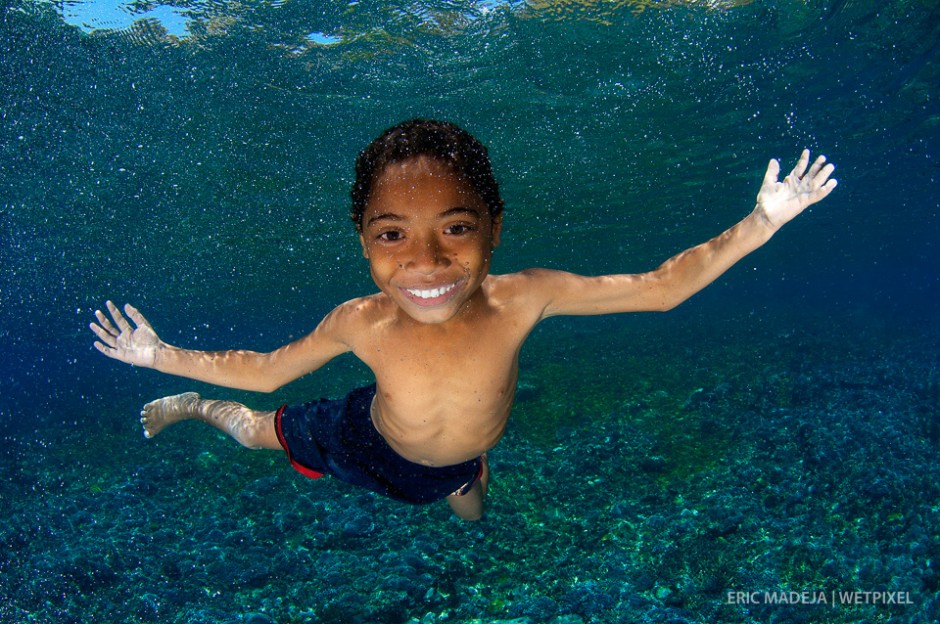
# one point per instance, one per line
(431, 294)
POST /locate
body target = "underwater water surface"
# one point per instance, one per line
(771, 443)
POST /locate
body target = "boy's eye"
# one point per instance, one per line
(389, 236)
(458, 229)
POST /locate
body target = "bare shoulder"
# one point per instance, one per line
(530, 288)
(340, 331)
(350, 318)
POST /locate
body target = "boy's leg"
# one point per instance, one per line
(250, 428)
(470, 505)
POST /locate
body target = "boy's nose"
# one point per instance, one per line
(427, 256)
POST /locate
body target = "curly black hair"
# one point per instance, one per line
(443, 141)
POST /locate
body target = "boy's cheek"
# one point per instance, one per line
(375, 254)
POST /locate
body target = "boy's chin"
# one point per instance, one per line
(430, 317)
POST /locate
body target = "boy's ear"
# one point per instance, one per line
(365, 250)
(497, 230)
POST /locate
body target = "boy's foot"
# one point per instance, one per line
(158, 414)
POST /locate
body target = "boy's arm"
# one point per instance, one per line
(685, 274)
(139, 345)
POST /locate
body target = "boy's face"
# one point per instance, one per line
(429, 239)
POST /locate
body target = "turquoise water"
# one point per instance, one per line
(779, 432)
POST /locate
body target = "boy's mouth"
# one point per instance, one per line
(430, 296)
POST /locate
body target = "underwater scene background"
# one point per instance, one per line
(768, 452)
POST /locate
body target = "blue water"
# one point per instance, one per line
(780, 431)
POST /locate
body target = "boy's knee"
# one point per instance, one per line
(470, 513)
(470, 517)
(469, 506)
(259, 435)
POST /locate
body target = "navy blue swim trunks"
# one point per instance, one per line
(337, 437)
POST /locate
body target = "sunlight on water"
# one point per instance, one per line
(114, 15)
(179, 23)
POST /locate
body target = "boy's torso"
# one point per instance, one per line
(444, 392)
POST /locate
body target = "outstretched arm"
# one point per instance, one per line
(688, 272)
(139, 345)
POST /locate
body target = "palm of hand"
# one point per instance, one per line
(138, 346)
(133, 345)
(780, 201)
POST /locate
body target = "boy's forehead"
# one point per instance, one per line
(415, 168)
(424, 176)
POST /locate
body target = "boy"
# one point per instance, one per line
(442, 336)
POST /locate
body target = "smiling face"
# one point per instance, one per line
(429, 239)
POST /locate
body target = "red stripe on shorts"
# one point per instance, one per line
(307, 472)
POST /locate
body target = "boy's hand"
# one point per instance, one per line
(778, 202)
(137, 346)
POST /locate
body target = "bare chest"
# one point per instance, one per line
(459, 368)
(444, 396)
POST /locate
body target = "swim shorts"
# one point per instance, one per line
(337, 437)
